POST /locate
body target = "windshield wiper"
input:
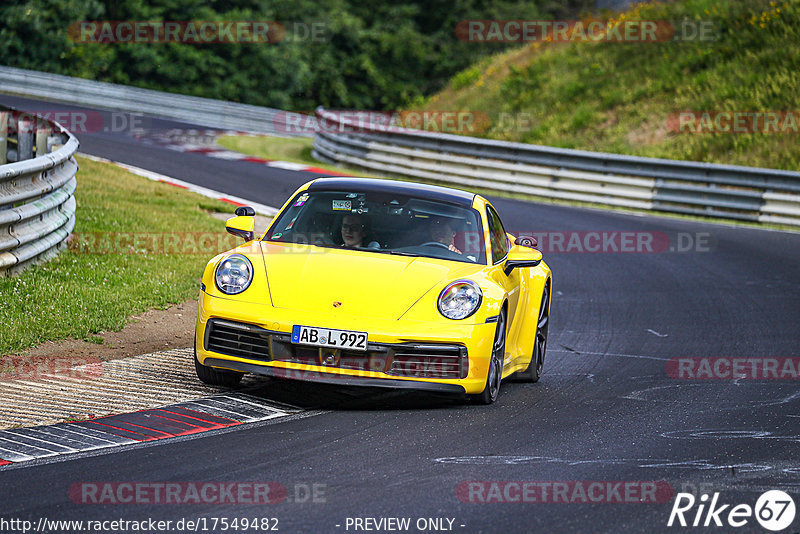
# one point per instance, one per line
(398, 253)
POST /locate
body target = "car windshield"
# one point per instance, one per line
(381, 222)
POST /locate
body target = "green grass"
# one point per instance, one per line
(79, 294)
(618, 97)
(295, 150)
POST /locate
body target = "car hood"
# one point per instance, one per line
(364, 284)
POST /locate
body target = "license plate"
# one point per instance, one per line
(325, 337)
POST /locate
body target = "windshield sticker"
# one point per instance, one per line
(339, 205)
(277, 236)
(352, 195)
(301, 200)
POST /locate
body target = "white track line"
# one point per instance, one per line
(262, 209)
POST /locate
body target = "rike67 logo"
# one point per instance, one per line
(774, 510)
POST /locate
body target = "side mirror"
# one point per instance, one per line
(242, 225)
(521, 256)
(526, 241)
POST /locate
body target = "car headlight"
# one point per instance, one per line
(460, 299)
(234, 274)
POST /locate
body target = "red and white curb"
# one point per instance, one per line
(223, 153)
(192, 417)
(185, 141)
(261, 209)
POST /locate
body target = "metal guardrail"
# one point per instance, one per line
(685, 187)
(203, 111)
(37, 202)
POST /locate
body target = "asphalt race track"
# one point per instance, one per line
(608, 409)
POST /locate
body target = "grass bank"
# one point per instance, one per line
(624, 97)
(137, 245)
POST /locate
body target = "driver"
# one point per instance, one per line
(441, 231)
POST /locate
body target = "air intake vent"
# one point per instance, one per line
(238, 339)
(430, 361)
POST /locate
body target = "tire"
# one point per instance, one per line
(495, 373)
(216, 377)
(534, 371)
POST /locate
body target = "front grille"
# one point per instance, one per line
(238, 339)
(375, 358)
(413, 360)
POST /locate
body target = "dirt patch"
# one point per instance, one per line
(650, 133)
(152, 331)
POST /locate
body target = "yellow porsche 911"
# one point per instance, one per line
(376, 283)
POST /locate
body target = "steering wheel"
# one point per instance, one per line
(322, 239)
(435, 243)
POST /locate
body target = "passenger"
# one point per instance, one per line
(354, 231)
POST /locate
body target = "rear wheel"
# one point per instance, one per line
(495, 374)
(215, 377)
(534, 371)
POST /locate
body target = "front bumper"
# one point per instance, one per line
(330, 378)
(432, 356)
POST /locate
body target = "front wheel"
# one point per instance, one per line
(495, 374)
(215, 377)
(534, 371)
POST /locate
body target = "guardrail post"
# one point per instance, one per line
(25, 132)
(42, 132)
(3, 137)
(53, 141)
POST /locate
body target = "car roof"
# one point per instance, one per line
(433, 192)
